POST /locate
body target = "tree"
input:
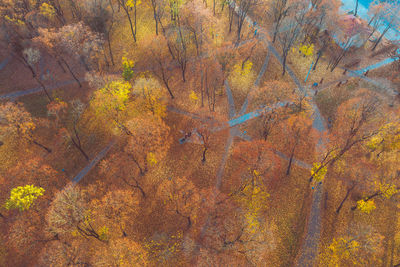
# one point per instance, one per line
(64, 253)
(31, 57)
(291, 29)
(68, 116)
(127, 5)
(116, 210)
(69, 213)
(16, 124)
(127, 69)
(238, 223)
(116, 166)
(149, 96)
(158, 59)
(389, 11)
(82, 45)
(299, 128)
(256, 155)
(148, 142)
(212, 79)
(101, 20)
(122, 252)
(356, 124)
(181, 197)
(244, 7)
(361, 246)
(111, 104)
(22, 197)
(178, 42)
(158, 8)
(279, 9)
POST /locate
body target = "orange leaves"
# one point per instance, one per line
(149, 135)
(122, 252)
(181, 197)
(15, 120)
(257, 155)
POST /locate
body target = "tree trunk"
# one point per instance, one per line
(345, 198)
(130, 23)
(214, 7)
(368, 198)
(231, 12)
(318, 57)
(166, 82)
(275, 33)
(135, 18)
(72, 73)
(79, 147)
(41, 146)
(355, 13)
(61, 66)
(284, 56)
(381, 36)
(44, 88)
(203, 160)
(154, 6)
(290, 162)
(110, 50)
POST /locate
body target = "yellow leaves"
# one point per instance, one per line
(103, 233)
(318, 172)
(149, 96)
(22, 197)
(17, 22)
(193, 96)
(388, 138)
(253, 197)
(242, 77)
(306, 50)
(132, 3)
(47, 10)
(164, 245)
(243, 70)
(374, 142)
(111, 99)
(127, 65)
(340, 249)
(387, 190)
(366, 206)
(151, 158)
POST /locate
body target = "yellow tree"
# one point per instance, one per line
(111, 105)
(22, 197)
(149, 96)
(361, 246)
